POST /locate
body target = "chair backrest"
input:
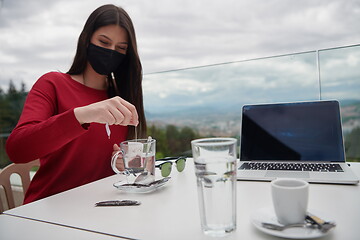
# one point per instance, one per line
(23, 169)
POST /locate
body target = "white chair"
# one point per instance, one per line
(23, 169)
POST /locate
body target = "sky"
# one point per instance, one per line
(39, 36)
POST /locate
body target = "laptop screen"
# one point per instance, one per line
(303, 131)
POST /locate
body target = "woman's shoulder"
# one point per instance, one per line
(50, 79)
(51, 76)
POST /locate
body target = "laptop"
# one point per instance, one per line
(293, 140)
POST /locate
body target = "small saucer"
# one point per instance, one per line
(268, 215)
(140, 188)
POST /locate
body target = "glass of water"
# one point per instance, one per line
(215, 169)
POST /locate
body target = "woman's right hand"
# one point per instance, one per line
(112, 111)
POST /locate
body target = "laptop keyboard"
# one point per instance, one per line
(316, 167)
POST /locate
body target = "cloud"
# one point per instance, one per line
(224, 86)
(40, 36)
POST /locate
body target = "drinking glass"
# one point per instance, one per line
(215, 169)
(138, 157)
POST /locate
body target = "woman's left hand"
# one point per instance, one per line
(119, 161)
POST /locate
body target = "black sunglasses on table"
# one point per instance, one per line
(166, 166)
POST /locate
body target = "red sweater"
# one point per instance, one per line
(70, 154)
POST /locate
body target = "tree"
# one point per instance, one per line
(172, 136)
(352, 143)
(161, 141)
(171, 140)
(187, 134)
(11, 105)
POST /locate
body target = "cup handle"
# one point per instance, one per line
(113, 162)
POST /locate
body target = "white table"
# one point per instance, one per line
(172, 211)
(15, 228)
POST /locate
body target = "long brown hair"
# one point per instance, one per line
(128, 76)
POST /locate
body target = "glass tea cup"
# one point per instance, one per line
(138, 158)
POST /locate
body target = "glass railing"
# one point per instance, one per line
(209, 98)
(339, 74)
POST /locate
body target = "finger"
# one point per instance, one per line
(109, 113)
(117, 115)
(134, 119)
(116, 147)
(104, 115)
(110, 119)
(120, 165)
(120, 112)
(126, 115)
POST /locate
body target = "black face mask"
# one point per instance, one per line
(103, 60)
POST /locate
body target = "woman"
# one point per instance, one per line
(64, 116)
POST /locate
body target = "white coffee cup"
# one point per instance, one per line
(290, 199)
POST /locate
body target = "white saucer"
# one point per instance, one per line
(124, 186)
(268, 215)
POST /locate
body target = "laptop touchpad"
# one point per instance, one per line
(283, 174)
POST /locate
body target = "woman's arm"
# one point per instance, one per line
(40, 129)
